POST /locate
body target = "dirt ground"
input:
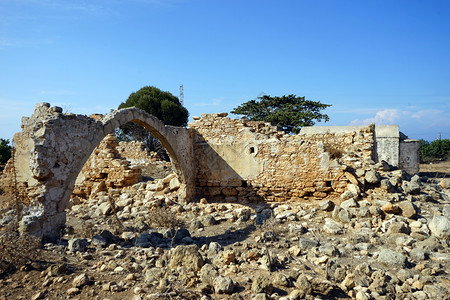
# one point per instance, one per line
(436, 169)
(51, 274)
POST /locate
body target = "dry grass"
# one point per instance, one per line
(162, 217)
(335, 152)
(17, 250)
(441, 169)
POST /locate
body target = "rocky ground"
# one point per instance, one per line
(387, 242)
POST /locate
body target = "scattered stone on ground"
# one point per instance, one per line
(140, 242)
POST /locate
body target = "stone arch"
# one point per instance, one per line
(176, 140)
(53, 148)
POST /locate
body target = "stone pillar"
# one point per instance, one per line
(409, 156)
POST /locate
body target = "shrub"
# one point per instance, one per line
(162, 217)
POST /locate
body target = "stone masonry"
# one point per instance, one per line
(242, 160)
(105, 169)
(216, 157)
(52, 148)
(391, 145)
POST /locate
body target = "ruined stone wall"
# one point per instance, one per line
(388, 144)
(137, 153)
(218, 157)
(105, 169)
(52, 148)
(50, 151)
(243, 160)
(409, 156)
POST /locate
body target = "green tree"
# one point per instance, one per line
(288, 112)
(163, 105)
(435, 150)
(5, 151)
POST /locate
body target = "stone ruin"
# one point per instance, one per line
(216, 157)
(114, 167)
(105, 169)
(52, 148)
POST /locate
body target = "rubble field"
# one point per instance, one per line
(387, 241)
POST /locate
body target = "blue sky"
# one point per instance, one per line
(386, 62)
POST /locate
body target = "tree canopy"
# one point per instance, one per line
(163, 105)
(288, 112)
(5, 151)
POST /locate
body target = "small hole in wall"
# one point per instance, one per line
(328, 183)
(244, 183)
(252, 150)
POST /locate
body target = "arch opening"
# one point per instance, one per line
(57, 145)
(119, 183)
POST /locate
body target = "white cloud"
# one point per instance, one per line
(385, 116)
(416, 122)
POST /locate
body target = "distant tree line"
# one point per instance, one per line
(435, 150)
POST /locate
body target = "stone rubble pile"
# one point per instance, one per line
(129, 203)
(385, 245)
(137, 153)
(114, 166)
(391, 241)
(105, 169)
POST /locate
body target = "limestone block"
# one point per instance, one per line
(445, 183)
(392, 258)
(349, 203)
(333, 227)
(157, 185)
(174, 184)
(354, 188)
(123, 202)
(168, 178)
(326, 205)
(347, 195)
(30, 224)
(187, 256)
(104, 209)
(351, 178)
(230, 191)
(408, 209)
(372, 177)
(212, 191)
(440, 227)
(391, 209)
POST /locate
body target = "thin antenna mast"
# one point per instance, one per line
(182, 94)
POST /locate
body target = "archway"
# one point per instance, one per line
(53, 148)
